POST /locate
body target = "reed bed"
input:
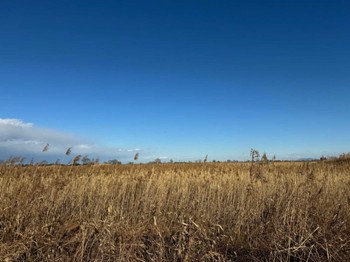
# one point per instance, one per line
(176, 212)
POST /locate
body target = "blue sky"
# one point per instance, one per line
(178, 79)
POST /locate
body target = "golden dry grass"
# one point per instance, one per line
(176, 212)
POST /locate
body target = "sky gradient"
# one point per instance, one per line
(177, 79)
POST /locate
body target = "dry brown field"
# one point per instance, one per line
(281, 211)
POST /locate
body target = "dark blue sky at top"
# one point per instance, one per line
(182, 78)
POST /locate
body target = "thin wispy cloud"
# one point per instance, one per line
(19, 138)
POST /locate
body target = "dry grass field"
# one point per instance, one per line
(176, 212)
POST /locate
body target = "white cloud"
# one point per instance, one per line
(84, 147)
(134, 150)
(14, 122)
(18, 138)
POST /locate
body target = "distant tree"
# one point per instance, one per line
(157, 161)
(113, 162)
(254, 154)
(86, 160)
(264, 158)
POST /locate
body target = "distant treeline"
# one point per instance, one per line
(85, 160)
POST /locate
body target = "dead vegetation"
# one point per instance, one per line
(176, 212)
